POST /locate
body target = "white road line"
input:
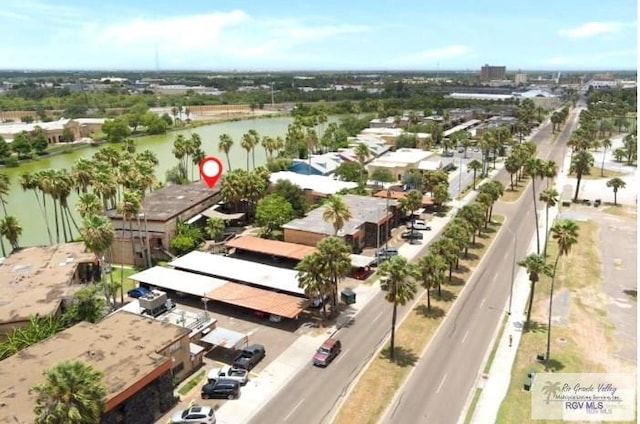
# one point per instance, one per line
(378, 316)
(341, 354)
(482, 303)
(441, 383)
(464, 337)
(293, 410)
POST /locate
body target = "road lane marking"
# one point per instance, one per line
(482, 303)
(378, 316)
(341, 354)
(441, 383)
(293, 410)
(464, 337)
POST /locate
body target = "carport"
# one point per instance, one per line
(178, 281)
(257, 299)
(227, 339)
(270, 247)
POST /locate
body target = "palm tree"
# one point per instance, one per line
(97, 234)
(550, 198)
(581, 163)
(82, 172)
(129, 208)
(616, 183)
(11, 230)
(535, 169)
(72, 393)
(88, 204)
(448, 250)
(224, 145)
(565, 233)
(29, 182)
(336, 212)
(255, 140)
(606, 144)
(474, 165)
(430, 271)
(396, 279)
(180, 153)
(362, 152)
(313, 278)
(247, 144)
(335, 254)
(549, 170)
(411, 203)
(5, 187)
(536, 265)
(474, 215)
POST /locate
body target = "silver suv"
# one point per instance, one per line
(195, 414)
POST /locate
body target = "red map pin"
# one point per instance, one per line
(210, 170)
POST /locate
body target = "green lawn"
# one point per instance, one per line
(126, 272)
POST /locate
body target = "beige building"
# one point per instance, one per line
(80, 128)
(39, 281)
(138, 356)
(399, 162)
(161, 211)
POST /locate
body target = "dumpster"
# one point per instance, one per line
(348, 296)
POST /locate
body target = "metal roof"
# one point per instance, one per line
(259, 299)
(270, 247)
(228, 339)
(239, 270)
(173, 279)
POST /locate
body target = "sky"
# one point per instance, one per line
(277, 35)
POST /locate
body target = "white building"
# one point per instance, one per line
(318, 184)
(399, 162)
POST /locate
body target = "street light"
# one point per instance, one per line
(514, 235)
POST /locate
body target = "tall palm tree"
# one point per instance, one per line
(430, 271)
(88, 204)
(396, 279)
(46, 180)
(29, 182)
(581, 164)
(97, 234)
(474, 165)
(63, 188)
(565, 233)
(473, 214)
(512, 166)
(549, 170)
(535, 169)
(194, 145)
(550, 199)
(314, 279)
(336, 212)
(180, 152)
(11, 230)
(255, 141)
(5, 188)
(83, 171)
(536, 266)
(72, 393)
(335, 254)
(411, 203)
(616, 183)
(362, 152)
(129, 209)
(247, 144)
(224, 145)
(606, 144)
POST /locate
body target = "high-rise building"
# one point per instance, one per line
(521, 78)
(488, 73)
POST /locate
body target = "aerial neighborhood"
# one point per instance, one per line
(352, 219)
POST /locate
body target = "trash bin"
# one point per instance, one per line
(348, 296)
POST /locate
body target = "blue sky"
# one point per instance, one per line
(318, 35)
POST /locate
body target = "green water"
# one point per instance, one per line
(24, 207)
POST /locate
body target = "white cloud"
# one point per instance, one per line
(592, 29)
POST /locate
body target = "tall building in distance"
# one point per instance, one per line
(521, 78)
(489, 73)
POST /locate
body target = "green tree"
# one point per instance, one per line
(440, 194)
(224, 145)
(293, 194)
(397, 280)
(186, 239)
(67, 135)
(535, 169)
(272, 212)
(72, 393)
(21, 144)
(411, 202)
(382, 175)
(11, 230)
(86, 305)
(606, 144)
(335, 254)
(430, 271)
(351, 171)
(536, 266)
(97, 234)
(550, 199)
(314, 279)
(336, 212)
(474, 165)
(36, 330)
(39, 141)
(616, 183)
(215, 228)
(116, 129)
(581, 164)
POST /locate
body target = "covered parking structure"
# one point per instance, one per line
(257, 299)
(225, 338)
(177, 281)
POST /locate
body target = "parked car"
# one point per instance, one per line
(221, 389)
(195, 414)
(249, 357)
(412, 235)
(327, 352)
(388, 251)
(318, 301)
(139, 292)
(419, 225)
(229, 373)
(275, 318)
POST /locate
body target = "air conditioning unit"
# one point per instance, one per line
(154, 303)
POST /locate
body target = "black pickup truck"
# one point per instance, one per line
(249, 357)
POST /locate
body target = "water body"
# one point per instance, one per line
(24, 207)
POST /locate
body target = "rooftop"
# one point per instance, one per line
(363, 209)
(34, 280)
(170, 201)
(123, 347)
(176, 280)
(234, 269)
(317, 183)
(270, 247)
(401, 157)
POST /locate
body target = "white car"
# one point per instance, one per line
(195, 414)
(229, 373)
(419, 225)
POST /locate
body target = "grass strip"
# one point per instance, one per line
(193, 382)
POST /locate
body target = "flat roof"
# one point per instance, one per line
(176, 280)
(195, 322)
(363, 209)
(222, 337)
(123, 347)
(239, 270)
(34, 280)
(358, 261)
(316, 183)
(259, 299)
(270, 247)
(170, 201)
(426, 200)
(401, 157)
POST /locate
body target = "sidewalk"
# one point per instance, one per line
(495, 387)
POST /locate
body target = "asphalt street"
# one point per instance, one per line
(439, 386)
(448, 370)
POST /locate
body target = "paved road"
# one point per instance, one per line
(313, 394)
(444, 376)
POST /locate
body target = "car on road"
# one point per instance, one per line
(412, 235)
(327, 352)
(249, 357)
(419, 225)
(388, 251)
(221, 389)
(229, 373)
(195, 414)
(139, 292)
